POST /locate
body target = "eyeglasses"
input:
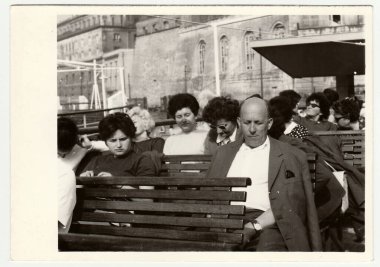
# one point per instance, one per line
(312, 105)
(222, 127)
(337, 118)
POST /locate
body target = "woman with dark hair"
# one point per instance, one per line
(281, 108)
(117, 131)
(184, 109)
(317, 111)
(221, 113)
(293, 98)
(346, 114)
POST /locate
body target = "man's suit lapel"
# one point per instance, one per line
(275, 161)
(233, 148)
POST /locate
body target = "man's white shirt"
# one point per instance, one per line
(253, 163)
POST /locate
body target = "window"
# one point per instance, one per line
(336, 19)
(166, 25)
(202, 50)
(116, 37)
(224, 53)
(121, 20)
(113, 20)
(279, 31)
(248, 51)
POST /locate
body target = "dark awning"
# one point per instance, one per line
(316, 56)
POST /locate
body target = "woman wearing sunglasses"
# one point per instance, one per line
(221, 113)
(346, 114)
(190, 140)
(317, 111)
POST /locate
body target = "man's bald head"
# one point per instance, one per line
(254, 121)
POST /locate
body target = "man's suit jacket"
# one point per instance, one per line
(290, 192)
(328, 191)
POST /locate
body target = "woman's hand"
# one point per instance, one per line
(85, 142)
(104, 174)
(87, 174)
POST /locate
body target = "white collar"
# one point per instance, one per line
(244, 147)
(232, 137)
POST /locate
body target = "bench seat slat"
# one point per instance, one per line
(184, 158)
(159, 233)
(85, 242)
(163, 194)
(165, 181)
(183, 174)
(164, 207)
(160, 220)
(179, 166)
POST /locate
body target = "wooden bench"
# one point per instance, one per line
(353, 145)
(179, 219)
(185, 165)
(197, 165)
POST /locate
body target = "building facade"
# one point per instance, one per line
(182, 58)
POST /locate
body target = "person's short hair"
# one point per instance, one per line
(183, 100)
(144, 115)
(221, 108)
(67, 134)
(254, 95)
(323, 102)
(347, 107)
(280, 106)
(331, 95)
(293, 97)
(117, 121)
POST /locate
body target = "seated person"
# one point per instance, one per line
(294, 99)
(67, 137)
(346, 114)
(190, 140)
(117, 131)
(317, 111)
(221, 113)
(332, 96)
(284, 109)
(281, 214)
(144, 123)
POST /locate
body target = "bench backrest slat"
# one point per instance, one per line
(163, 194)
(164, 181)
(160, 233)
(160, 220)
(163, 207)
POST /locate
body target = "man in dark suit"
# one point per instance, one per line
(281, 214)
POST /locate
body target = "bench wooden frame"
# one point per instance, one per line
(187, 214)
(353, 145)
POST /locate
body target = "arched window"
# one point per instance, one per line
(224, 53)
(279, 30)
(202, 50)
(248, 51)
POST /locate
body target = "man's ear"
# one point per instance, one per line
(270, 122)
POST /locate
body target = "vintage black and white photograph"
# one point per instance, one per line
(211, 132)
(236, 130)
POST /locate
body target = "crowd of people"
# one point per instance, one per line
(263, 140)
